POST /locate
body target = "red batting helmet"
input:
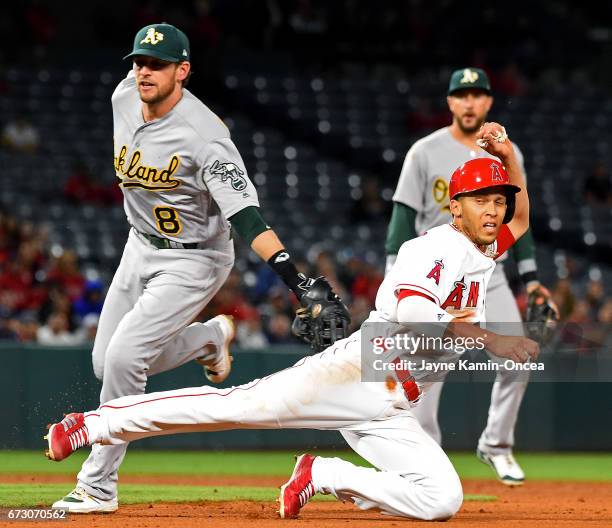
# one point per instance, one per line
(481, 173)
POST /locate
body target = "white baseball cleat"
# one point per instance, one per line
(218, 368)
(79, 501)
(506, 467)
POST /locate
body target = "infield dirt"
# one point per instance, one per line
(540, 503)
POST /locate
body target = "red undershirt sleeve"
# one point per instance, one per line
(505, 240)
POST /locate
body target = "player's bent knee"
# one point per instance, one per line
(443, 501)
(447, 507)
(443, 509)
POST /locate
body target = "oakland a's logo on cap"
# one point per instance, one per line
(152, 37)
(469, 76)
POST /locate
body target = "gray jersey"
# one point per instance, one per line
(429, 164)
(181, 175)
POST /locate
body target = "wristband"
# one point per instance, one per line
(282, 264)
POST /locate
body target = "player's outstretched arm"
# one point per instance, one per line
(417, 307)
(323, 318)
(331, 320)
(492, 137)
(269, 248)
(517, 348)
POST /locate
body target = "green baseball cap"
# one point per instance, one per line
(162, 41)
(469, 78)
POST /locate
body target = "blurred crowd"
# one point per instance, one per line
(46, 298)
(318, 34)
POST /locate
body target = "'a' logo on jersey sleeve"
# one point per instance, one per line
(228, 171)
(435, 271)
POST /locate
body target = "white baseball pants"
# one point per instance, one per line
(414, 477)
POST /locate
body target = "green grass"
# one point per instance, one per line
(33, 495)
(44, 494)
(538, 466)
(165, 462)
(544, 466)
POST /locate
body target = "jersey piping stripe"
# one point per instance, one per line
(117, 407)
(402, 294)
(416, 287)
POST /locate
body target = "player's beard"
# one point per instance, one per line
(157, 96)
(470, 129)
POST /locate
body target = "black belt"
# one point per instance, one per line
(165, 243)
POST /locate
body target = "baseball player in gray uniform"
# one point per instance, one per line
(421, 202)
(183, 182)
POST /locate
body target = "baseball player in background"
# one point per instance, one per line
(413, 476)
(421, 202)
(183, 182)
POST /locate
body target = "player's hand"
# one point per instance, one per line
(323, 318)
(542, 316)
(517, 348)
(542, 295)
(464, 315)
(493, 138)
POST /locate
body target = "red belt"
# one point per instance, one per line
(409, 384)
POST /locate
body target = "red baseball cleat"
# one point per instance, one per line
(298, 490)
(67, 436)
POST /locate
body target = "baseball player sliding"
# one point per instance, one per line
(421, 201)
(414, 477)
(183, 182)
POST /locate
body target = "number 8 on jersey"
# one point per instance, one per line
(168, 221)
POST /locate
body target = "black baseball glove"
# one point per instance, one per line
(323, 318)
(542, 315)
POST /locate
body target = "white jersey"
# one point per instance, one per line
(181, 175)
(444, 266)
